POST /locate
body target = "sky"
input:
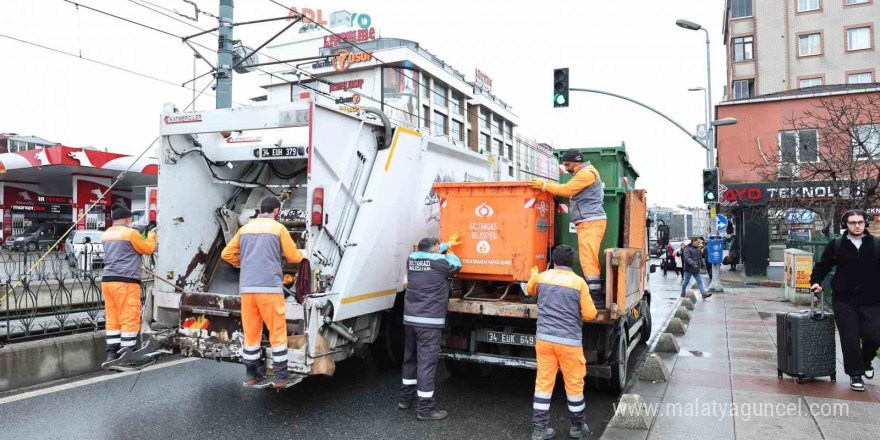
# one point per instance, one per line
(628, 48)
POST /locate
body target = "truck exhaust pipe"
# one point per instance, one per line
(343, 331)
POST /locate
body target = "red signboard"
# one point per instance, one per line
(346, 85)
(356, 36)
(88, 190)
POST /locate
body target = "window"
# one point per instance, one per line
(439, 94)
(426, 119)
(743, 89)
(484, 144)
(858, 38)
(797, 146)
(499, 147)
(859, 78)
(456, 104)
(856, 2)
(743, 48)
(867, 144)
(457, 130)
(810, 82)
(740, 8)
(423, 87)
(439, 124)
(809, 45)
(510, 152)
(484, 116)
(508, 132)
(496, 125)
(808, 5)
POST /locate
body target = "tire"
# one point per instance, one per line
(463, 369)
(647, 320)
(31, 246)
(387, 349)
(617, 382)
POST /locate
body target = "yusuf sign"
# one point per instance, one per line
(343, 59)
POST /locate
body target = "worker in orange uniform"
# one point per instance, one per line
(258, 248)
(564, 304)
(121, 282)
(586, 194)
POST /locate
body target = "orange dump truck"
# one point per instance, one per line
(507, 228)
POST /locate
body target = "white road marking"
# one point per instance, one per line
(90, 381)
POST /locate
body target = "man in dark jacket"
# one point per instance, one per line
(424, 316)
(692, 259)
(856, 300)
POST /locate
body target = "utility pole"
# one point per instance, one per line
(224, 56)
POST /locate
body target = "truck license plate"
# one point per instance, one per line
(281, 152)
(506, 338)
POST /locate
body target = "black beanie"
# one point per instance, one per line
(572, 155)
(563, 255)
(119, 211)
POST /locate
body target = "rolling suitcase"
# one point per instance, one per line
(805, 344)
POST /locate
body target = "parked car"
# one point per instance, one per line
(84, 250)
(655, 250)
(37, 237)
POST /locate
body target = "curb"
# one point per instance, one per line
(36, 362)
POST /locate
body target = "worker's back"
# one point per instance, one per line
(562, 307)
(123, 248)
(260, 243)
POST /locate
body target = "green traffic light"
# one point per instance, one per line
(559, 99)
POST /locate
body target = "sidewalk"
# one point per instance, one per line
(724, 383)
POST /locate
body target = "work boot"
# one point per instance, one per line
(541, 432)
(282, 383)
(856, 383)
(112, 353)
(255, 377)
(579, 430)
(405, 404)
(435, 414)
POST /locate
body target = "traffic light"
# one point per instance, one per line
(710, 185)
(560, 87)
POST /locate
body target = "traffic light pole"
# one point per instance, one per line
(715, 285)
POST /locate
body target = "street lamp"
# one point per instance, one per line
(689, 25)
(725, 121)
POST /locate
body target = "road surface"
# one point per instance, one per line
(185, 398)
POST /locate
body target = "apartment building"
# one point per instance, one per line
(780, 45)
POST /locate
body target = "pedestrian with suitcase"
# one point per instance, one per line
(856, 298)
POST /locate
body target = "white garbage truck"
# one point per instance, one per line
(357, 194)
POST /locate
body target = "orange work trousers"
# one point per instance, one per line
(590, 236)
(257, 308)
(551, 358)
(122, 308)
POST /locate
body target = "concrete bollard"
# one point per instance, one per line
(631, 413)
(687, 303)
(676, 327)
(654, 370)
(667, 344)
(691, 295)
(683, 314)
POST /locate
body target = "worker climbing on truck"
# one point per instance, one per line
(424, 316)
(586, 193)
(258, 248)
(564, 304)
(121, 283)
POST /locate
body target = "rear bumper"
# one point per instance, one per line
(603, 371)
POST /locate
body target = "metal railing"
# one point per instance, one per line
(60, 295)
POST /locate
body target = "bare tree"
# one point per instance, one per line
(829, 159)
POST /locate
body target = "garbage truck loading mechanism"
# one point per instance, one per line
(356, 195)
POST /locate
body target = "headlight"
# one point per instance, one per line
(19, 239)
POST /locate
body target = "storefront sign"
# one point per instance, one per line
(482, 80)
(356, 36)
(346, 85)
(763, 193)
(343, 59)
(54, 199)
(353, 99)
(309, 15)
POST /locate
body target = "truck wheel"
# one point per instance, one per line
(463, 369)
(618, 362)
(387, 350)
(647, 321)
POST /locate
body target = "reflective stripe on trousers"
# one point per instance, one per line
(551, 358)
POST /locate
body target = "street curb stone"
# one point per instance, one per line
(654, 370)
(683, 314)
(676, 327)
(631, 413)
(687, 303)
(667, 344)
(692, 296)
